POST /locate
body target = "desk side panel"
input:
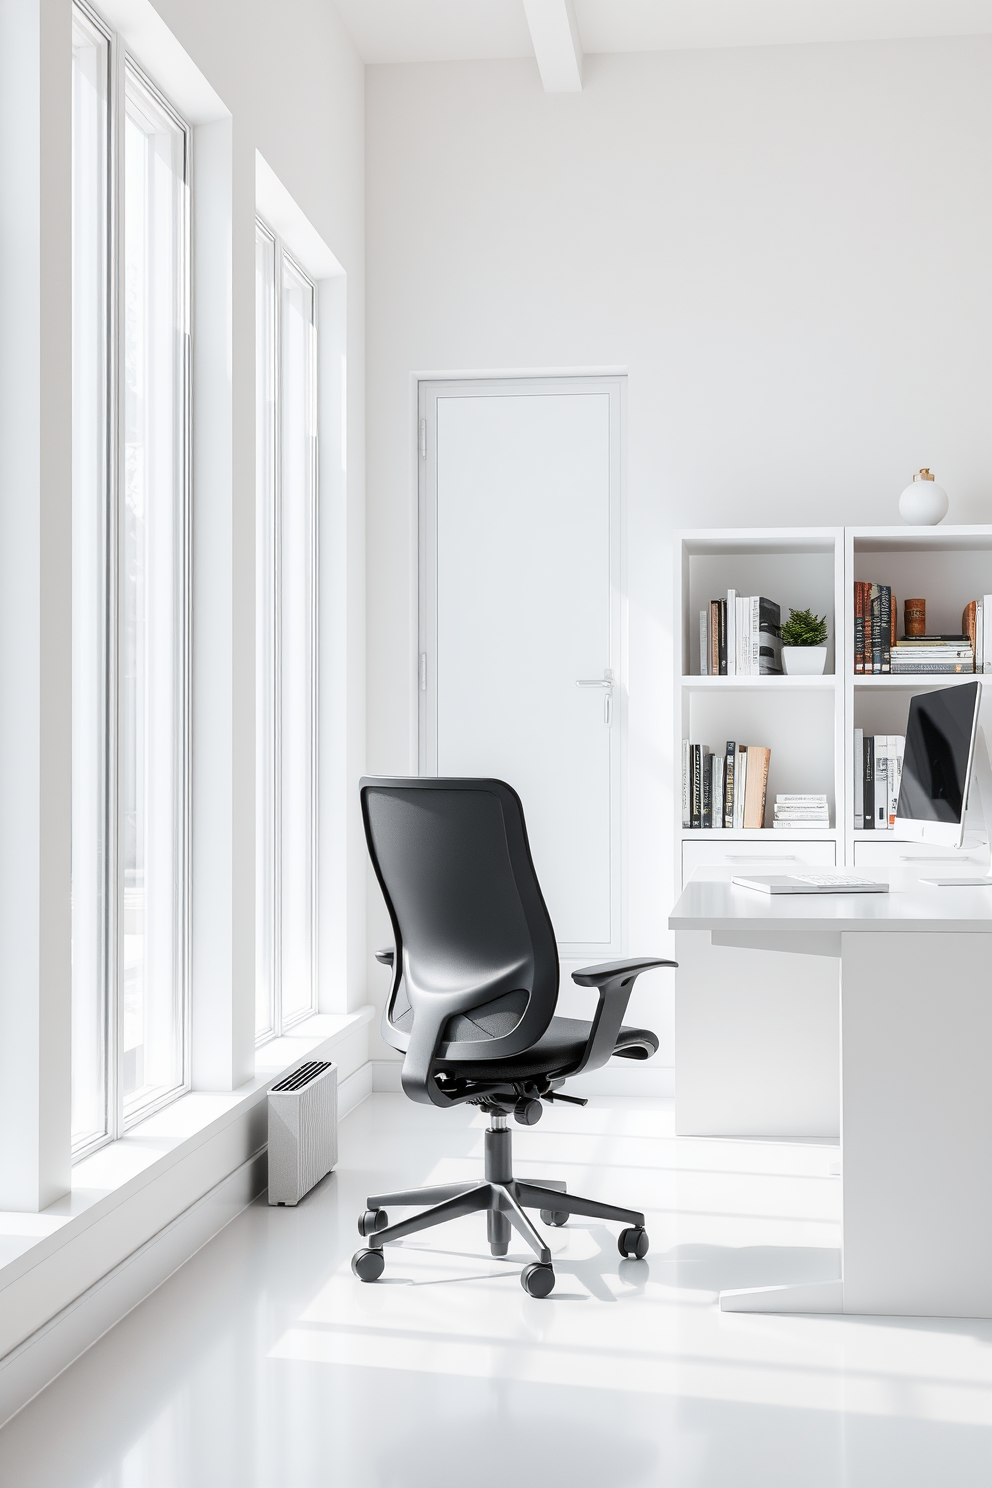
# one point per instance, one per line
(757, 1041)
(917, 1124)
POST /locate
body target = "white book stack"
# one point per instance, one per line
(800, 812)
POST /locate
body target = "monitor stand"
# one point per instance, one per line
(975, 819)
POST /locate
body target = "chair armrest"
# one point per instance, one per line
(608, 971)
(386, 956)
(614, 980)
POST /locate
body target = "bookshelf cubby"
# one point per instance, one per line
(809, 722)
(798, 718)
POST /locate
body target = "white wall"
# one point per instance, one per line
(789, 249)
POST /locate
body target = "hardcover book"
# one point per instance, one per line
(729, 774)
(756, 786)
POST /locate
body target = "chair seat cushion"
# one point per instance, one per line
(558, 1050)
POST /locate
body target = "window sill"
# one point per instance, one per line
(117, 1171)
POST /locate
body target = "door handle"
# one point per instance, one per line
(606, 680)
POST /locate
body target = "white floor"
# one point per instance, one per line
(265, 1364)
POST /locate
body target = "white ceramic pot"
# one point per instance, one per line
(804, 661)
(923, 503)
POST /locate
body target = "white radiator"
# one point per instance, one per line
(303, 1130)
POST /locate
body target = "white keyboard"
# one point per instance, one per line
(810, 883)
(832, 880)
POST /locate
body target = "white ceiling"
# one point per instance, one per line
(460, 30)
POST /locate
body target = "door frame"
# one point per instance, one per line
(428, 390)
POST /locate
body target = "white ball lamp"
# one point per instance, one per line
(923, 503)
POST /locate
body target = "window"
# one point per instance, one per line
(130, 591)
(91, 404)
(286, 474)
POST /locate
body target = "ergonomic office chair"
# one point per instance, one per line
(472, 1001)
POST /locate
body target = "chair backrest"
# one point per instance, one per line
(474, 944)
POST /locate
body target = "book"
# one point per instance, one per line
(756, 788)
(869, 779)
(818, 798)
(729, 776)
(861, 592)
(697, 787)
(704, 650)
(897, 748)
(859, 779)
(987, 632)
(716, 764)
(968, 625)
(924, 668)
(686, 777)
(740, 786)
(881, 797)
(731, 633)
(722, 640)
(886, 625)
(765, 637)
(979, 637)
(706, 802)
(713, 651)
(949, 651)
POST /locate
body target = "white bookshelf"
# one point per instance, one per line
(809, 722)
(798, 718)
(948, 566)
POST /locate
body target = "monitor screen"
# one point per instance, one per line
(939, 738)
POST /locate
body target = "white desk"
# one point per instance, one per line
(915, 1083)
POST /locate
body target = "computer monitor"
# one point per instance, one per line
(945, 767)
(937, 765)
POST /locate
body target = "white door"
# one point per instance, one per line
(519, 603)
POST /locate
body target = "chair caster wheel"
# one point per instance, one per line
(556, 1217)
(633, 1243)
(372, 1221)
(537, 1279)
(368, 1265)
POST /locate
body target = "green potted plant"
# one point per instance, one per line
(804, 644)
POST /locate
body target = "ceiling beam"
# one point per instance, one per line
(555, 36)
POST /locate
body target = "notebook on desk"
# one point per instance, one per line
(810, 883)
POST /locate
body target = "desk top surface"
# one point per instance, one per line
(710, 901)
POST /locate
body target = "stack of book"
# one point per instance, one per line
(724, 790)
(801, 812)
(740, 637)
(976, 622)
(877, 775)
(875, 627)
(918, 655)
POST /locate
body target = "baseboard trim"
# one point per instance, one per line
(45, 1354)
(354, 1089)
(619, 1078)
(386, 1075)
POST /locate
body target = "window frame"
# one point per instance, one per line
(118, 1119)
(279, 1022)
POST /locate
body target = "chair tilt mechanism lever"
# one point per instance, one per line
(454, 865)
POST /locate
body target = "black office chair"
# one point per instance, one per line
(474, 989)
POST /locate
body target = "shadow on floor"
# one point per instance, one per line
(718, 1268)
